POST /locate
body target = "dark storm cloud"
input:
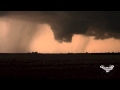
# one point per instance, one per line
(106, 24)
(2, 13)
(65, 24)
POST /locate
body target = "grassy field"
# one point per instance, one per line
(58, 66)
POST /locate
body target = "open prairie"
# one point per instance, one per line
(58, 66)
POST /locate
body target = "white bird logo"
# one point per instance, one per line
(107, 69)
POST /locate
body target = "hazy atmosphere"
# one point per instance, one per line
(59, 31)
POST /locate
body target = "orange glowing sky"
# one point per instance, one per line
(44, 42)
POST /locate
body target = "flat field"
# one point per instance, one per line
(58, 66)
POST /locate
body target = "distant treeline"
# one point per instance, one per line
(66, 53)
(76, 53)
